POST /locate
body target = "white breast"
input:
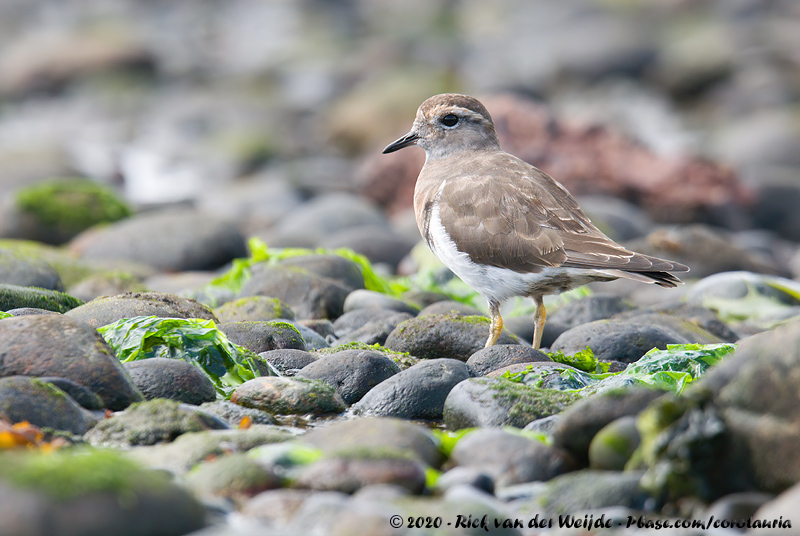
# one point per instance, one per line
(499, 284)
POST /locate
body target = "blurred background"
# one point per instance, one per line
(271, 114)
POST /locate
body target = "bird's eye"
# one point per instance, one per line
(450, 120)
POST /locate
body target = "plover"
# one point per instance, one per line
(503, 226)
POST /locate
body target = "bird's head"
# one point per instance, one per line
(447, 124)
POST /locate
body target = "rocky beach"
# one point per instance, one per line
(218, 317)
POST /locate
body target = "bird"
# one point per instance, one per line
(503, 226)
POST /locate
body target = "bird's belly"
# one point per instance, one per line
(499, 284)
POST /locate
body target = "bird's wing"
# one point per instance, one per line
(506, 213)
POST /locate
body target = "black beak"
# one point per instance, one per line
(406, 141)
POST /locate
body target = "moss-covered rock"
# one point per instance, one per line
(151, 422)
(191, 448)
(56, 210)
(288, 396)
(443, 336)
(403, 360)
(16, 297)
(235, 476)
(103, 311)
(18, 269)
(55, 345)
(42, 404)
(498, 401)
(50, 495)
(258, 308)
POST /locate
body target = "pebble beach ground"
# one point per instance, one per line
(217, 317)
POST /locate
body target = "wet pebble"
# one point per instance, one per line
(501, 355)
(510, 458)
(174, 379)
(419, 392)
(487, 402)
(288, 396)
(352, 373)
(443, 336)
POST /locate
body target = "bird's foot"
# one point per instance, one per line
(494, 330)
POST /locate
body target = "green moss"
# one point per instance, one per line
(373, 453)
(14, 297)
(402, 359)
(73, 204)
(70, 473)
(71, 269)
(471, 319)
(527, 401)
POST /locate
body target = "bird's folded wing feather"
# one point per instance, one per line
(527, 221)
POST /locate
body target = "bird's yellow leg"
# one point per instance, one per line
(496, 326)
(539, 318)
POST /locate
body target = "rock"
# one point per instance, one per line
(588, 490)
(615, 217)
(53, 58)
(739, 506)
(443, 336)
(369, 299)
(510, 458)
(288, 361)
(263, 336)
(151, 422)
(402, 360)
(16, 297)
(579, 424)
(105, 310)
(375, 331)
(235, 415)
(450, 306)
(174, 379)
(501, 355)
(84, 397)
(56, 210)
(549, 372)
(233, 476)
(707, 250)
(418, 392)
(312, 339)
(616, 340)
(277, 506)
(349, 474)
(589, 309)
(313, 222)
(55, 345)
(106, 284)
(173, 241)
(613, 445)
(352, 373)
(465, 476)
(694, 322)
(26, 311)
(309, 295)
(132, 500)
(381, 245)
(191, 448)
(352, 320)
(338, 268)
(487, 402)
(543, 426)
(42, 404)
(21, 270)
(756, 301)
(253, 308)
(377, 433)
(288, 396)
(424, 298)
(784, 505)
